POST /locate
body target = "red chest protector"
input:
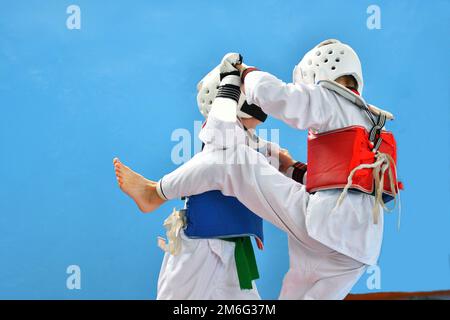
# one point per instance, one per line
(336, 155)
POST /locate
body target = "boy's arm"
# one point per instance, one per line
(224, 105)
(300, 106)
(291, 168)
(220, 128)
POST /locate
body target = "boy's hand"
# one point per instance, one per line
(230, 63)
(241, 67)
(230, 80)
(285, 160)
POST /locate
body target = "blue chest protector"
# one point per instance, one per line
(213, 215)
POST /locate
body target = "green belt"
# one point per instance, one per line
(244, 255)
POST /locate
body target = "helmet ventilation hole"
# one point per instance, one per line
(330, 52)
(333, 68)
(210, 101)
(338, 59)
(318, 53)
(325, 61)
(342, 51)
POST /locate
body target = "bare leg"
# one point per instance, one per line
(140, 189)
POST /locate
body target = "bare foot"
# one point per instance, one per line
(140, 189)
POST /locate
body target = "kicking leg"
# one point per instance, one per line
(246, 174)
(140, 189)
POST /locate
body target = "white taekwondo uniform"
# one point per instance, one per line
(205, 269)
(329, 247)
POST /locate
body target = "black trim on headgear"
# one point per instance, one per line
(254, 111)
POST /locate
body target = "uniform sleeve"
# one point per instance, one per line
(300, 106)
(271, 150)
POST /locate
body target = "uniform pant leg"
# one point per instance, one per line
(190, 275)
(246, 174)
(205, 269)
(336, 278)
(227, 285)
(319, 272)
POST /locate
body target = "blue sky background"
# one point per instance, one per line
(71, 100)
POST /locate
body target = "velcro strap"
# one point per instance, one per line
(299, 171)
(226, 74)
(232, 80)
(229, 91)
(254, 111)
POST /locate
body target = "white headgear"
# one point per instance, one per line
(329, 60)
(207, 92)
